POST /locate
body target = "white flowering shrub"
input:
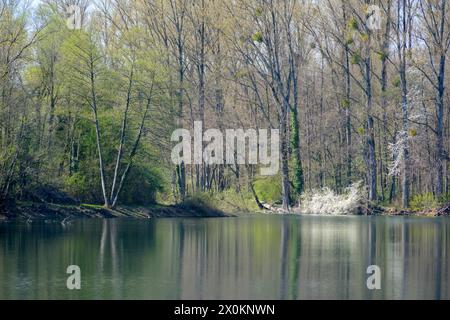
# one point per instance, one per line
(397, 151)
(326, 201)
(404, 137)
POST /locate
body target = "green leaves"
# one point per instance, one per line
(383, 56)
(361, 131)
(259, 12)
(268, 189)
(258, 37)
(412, 133)
(345, 103)
(353, 25)
(356, 57)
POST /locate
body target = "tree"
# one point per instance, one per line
(435, 36)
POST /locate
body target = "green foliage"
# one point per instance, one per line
(228, 200)
(268, 189)
(345, 103)
(364, 37)
(383, 56)
(350, 40)
(258, 37)
(76, 185)
(353, 24)
(361, 130)
(409, 54)
(92, 206)
(48, 134)
(423, 201)
(142, 185)
(356, 58)
(412, 132)
(202, 202)
(396, 82)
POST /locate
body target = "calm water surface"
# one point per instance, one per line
(250, 257)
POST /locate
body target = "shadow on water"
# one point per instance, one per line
(254, 257)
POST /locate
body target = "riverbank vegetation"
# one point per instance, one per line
(91, 91)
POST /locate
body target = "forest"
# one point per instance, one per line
(91, 92)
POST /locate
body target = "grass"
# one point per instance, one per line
(92, 206)
(232, 201)
(229, 201)
(268, 189)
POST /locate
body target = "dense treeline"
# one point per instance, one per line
(91, 111)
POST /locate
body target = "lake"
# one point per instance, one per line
(247, 257)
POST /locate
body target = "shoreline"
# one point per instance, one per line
(49, 212)
(371, 211)
(32, 211)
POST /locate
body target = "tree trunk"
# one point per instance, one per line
(285, 186)
(122, 136)
(370, 135)
(98, 135)
(441, 154)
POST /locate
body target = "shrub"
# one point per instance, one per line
(229, 201)
(423, 201)
(202, 203)
(76, 185)
(325, 201)
(141, 186)
(232, 201)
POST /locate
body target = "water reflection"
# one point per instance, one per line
(257, 257)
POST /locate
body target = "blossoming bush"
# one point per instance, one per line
(326, 201)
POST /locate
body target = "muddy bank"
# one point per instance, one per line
(58, 212)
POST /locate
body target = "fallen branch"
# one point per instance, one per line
(444, 211)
